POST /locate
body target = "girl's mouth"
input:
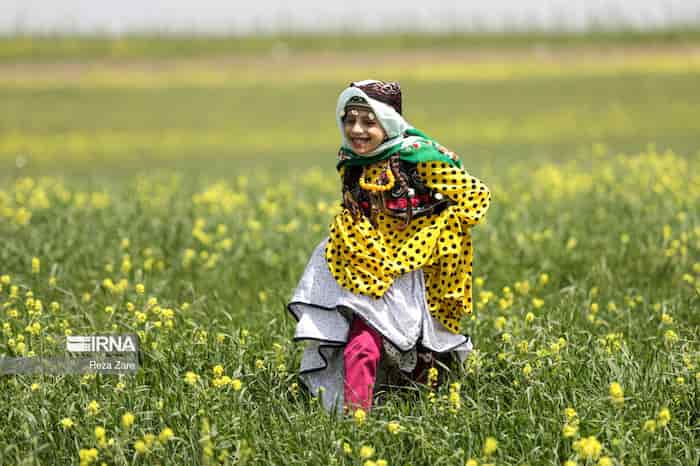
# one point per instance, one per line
(360, 143)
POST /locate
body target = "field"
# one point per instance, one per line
(179, 197)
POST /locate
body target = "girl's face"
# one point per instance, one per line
(362, 130)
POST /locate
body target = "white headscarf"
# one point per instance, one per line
(393, 123)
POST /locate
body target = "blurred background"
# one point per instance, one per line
(206, 85)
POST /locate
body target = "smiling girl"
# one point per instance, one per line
(385, 292)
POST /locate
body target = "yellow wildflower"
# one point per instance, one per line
(393, 427)
(544, 279)
(366, 451)
(649, 426)
(359, 416)
(569, 430)
(218, 370)
(165, 435)
(670, 337)
(471, 462)
(537, 303)
(527, 370)
(490, 446)
(67, 423)
(87, 456)
(432, 376)
(100, 432)
(347, 448)
(191, 378)
(236, 384)
(588, 447)
(663, 417)
(140, 288)
(128, 420)
(36, 265)
(529, 317)
(617, 395)
(93, 407)
(605, 461)
(140, 447)
(35, 386)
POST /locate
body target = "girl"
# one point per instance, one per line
(389, 285)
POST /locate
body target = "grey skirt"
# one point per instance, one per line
(324, 311)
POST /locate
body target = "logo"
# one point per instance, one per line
(102, 343)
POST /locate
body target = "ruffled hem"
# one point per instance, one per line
(324, 310)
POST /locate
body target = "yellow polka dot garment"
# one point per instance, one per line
(366, 260)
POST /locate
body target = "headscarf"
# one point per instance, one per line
(385, 101)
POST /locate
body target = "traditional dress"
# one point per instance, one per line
(394, 276)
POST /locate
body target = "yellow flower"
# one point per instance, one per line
(605, 461)
(499, 323)
(432, 376)
(236, 384)
(617, 395)
(93, 407)
(527, 370)
(100, 433)
(569, 430)
(67, 423)
(666, 319)
(140, 447)
(218, 370)
(393, 427)
(570, 463)
(366, 451)
(490, 446)
(649, 426)
(570, 413)
(663, 417)
(35, 386)
(529, 317)
(588, 447)
(165, 435)
(128, 420)
(5, 279)
(347, 448)
(36, 265)
(544, 279)
(359, 416)
(537, 303)
(149, 439)
(670, 337)
(471, 462)
(191, 378)
(594, 308)
(523, 346)
(140, 288)
(381, 462)
(259, 364)
(87, 456)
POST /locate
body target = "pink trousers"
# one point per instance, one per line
(361, 357)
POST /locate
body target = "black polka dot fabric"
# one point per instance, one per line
(366, 260)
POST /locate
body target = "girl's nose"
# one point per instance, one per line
(356, 128)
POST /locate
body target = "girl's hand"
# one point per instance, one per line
(351, 204)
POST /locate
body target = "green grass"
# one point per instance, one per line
(77, 48)
(253, 162)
